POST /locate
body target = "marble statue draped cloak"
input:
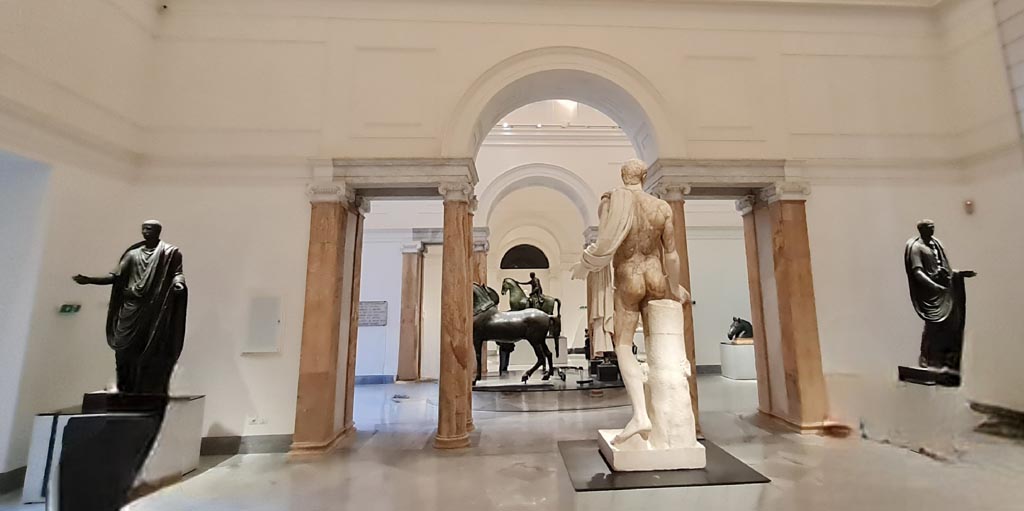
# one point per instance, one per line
(616, 219)
(145, 317)
(944, 312)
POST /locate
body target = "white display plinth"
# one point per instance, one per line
(737, 361)
(636, 454)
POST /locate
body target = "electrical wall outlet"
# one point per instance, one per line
(256, 420)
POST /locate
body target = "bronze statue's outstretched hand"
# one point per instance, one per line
(967, 274)
(99, 281)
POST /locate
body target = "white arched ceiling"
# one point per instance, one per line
(545, 175)
(586, 76)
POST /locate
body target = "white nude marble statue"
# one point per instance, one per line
(635, 255)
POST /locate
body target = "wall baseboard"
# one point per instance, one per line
(375, 379)
(13, 480)
(253, 444)
(709, 369)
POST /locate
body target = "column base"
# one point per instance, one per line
(456, 442)
(470, 427)
(343, 438)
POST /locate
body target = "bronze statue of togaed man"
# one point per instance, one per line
(146, 316)
(939, 298)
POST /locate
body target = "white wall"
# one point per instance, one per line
(430, 344)
(381, 280)
(66, 356)
(22, 190)
(238, 242)
(718, 278)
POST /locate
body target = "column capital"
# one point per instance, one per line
(481, 239)
(362, 205)
(329, 192)
(746, 205)
(675, 192)
(785, 190)
(474, 204)
(456, 192)
(415, 247)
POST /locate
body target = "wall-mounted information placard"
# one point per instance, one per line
(373, 313)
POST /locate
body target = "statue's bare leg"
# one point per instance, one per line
(626, 317)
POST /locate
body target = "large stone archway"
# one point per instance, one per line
(594, 78)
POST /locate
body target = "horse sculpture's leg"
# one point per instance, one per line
(551, 364)
(477, 345)
(540, 359)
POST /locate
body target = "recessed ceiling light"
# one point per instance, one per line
(540, 125)
(504, 125)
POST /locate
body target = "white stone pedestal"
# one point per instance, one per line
(737, 361)
(636, 454)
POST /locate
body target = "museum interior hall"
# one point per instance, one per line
(584, 255)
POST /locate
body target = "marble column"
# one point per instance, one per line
(798, 392)
(317, 425)
(359, 211)
(411, 330)
(674, 195)
(470, 352)
(456, 311)
(764, 397)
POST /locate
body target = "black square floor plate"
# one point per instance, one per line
(589, 471)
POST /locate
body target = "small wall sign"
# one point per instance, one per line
(373, 313)
(69, 308)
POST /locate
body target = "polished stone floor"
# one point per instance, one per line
(514, 464)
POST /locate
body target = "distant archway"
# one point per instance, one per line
(550, 176)
(524, 257)
(596, 79)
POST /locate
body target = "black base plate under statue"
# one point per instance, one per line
(929, 376)
(103, 402)
(588, 470)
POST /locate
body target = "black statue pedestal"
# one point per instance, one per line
(103, 402)
(607, 371)
(929, 376)
(104, 449)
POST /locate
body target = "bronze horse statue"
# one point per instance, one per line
(518, 300)
(490, 324)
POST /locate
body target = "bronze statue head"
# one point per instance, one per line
(151, 230)
(926, 228)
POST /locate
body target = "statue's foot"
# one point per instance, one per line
(637, 426)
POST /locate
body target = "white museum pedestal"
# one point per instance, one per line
(636, 454)
(737, 360)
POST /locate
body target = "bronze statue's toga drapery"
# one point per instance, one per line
(146, 318)
(942, 307)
